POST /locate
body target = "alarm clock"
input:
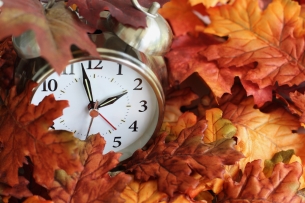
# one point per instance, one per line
(119, 94)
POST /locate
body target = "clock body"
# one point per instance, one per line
(129, 83)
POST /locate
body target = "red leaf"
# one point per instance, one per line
(281, 187)
(55, 31)
(122, 11)
(24, 132)
(19, 191)
(172, 163)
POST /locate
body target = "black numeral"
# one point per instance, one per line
(143, 105)
(96, 67)
(120, 70)
(118, 142)
(134, 126)
(139, 83)
(71, 71)
(51, 86)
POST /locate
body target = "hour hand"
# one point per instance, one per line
(110, 100)
(87, 86)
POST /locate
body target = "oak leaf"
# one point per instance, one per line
(172, 163)
(122, 11)
(181, 16)
(55, 29)
(260, 135)
(175, 101)
(281, 186)
(272, 38)
(93, 183)
(24, 131)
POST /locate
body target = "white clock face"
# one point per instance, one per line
(126, 111)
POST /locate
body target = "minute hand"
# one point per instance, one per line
(111, 100)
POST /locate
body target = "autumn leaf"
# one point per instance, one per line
(122, 11)
(298, 99)
(175, 101)
(19, 191)
(36, 199)
(93, 184)
(272, 38)
(7, 62)
(24, 131)
(261, 135)
(181, 16)
(208, 3)
(54, 29)
(186, 120)
(218, 127)
(172, 163)
(281, 186)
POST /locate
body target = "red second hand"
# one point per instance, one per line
(106, 120)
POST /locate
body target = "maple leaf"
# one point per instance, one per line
(181, 16)
(175, 101)
(260, 135)
(7, 60)
(54, 29)
(19, 191)
(122, 11)
(24, 132)
(186, 120)
(172, 163)
(272, 38)
(93, 184)
(281, 186)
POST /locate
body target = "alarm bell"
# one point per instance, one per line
(155, 39)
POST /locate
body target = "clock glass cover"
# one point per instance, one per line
(126, 112)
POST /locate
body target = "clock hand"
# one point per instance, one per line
(93, 113)
(107, 121)
(87, 86)
(111, 100)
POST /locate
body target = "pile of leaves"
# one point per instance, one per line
(239, 138)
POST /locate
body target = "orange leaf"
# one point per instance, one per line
(272, 38)
(36, 199)
(55, 31)
(93, 183)
(19, 191)
(181, 17)
(282, 186)
(173, 163)
(261, 135)
(175, 101)
(299, 101)
(208, 3)
(24, 131)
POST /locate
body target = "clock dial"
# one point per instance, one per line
(126, 105)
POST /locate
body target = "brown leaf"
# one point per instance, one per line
(24, 131)
(55, 31)
(282, 185)
(123, 11)
(172, 163)
(7, 62)
(93, 184)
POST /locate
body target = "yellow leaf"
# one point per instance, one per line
(260, 135)
(218, 127)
